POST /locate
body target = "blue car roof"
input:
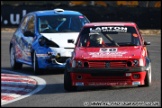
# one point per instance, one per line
(52, 12)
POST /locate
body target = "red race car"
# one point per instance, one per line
(108, 54)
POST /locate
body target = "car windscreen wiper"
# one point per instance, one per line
(111, 40)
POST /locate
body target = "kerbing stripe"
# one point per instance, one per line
(14, 95)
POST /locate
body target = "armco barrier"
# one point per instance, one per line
(146, 18)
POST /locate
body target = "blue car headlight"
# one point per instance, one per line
(44, 41)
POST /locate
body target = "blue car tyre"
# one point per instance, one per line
(36, 69)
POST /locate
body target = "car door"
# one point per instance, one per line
(18, 44)
(27, 40)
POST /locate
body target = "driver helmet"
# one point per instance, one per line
(96, 39)
(42, 22)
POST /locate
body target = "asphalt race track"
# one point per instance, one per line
(54, 95)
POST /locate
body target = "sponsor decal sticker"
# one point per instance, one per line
(81, 17)
(42, 55)
(109, 29)
(107, 52)
(135, 35)
(106, 83)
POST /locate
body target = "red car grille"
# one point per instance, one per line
(111, 64)
(118, 64)
(96, 64)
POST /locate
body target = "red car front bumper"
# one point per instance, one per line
(125, 79)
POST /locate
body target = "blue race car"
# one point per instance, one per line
(44, 39)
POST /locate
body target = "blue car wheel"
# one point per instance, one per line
(36, 69)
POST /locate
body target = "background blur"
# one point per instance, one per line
(147, 14)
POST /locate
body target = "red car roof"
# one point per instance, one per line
(110, 24)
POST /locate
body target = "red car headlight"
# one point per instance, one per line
(141, 62)
(76, 64)
(136, 62)
(73, 64)
(79, 64)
